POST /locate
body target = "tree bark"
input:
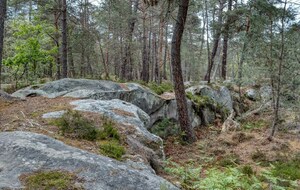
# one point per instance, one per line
(145, 64)
(127, 66)
(2, 20)
(225, 42)
(184, 121)
(64, 54)
(215, 43)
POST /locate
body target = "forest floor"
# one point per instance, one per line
(248, 149)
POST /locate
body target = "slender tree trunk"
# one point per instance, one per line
(183, 116)
(145, 62)
(207, 37)
(215, 43)
(57, 36)
(127, 67)
(2, 20)
(225, 42)
(71, 62)
(279, 75)
(64, 54)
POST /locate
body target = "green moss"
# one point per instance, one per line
(287, 170)
(49, 180)
(112, 149)
(74, 125)
(200, 101)
(160, 88)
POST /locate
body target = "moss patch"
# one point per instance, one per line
(74, 125)
(48, 180)
(112, 149)
(165, 128)
(287, 170)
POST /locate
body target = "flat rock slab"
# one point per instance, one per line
(25, 152)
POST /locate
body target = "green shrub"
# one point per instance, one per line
(160, 88)
(108, 131)
(165, 128)
(112, 149)
(49, 180)
(247, 170)
(74, 125)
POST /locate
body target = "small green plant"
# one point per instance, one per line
(287, 170)
(108, 131)
(160, 88)
(48, 180)
(188, 175)
(254, 125)
(229, 160)
(230, 178)
(165, 128)
(112, 149)
(74, 125)
(277, 183)
(247, 170)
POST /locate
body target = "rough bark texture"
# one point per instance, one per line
(64, 54)
(145, 65)
(225, 42)
(2, 19)
(127, 66)
(177, 72)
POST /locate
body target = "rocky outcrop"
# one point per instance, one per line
(252, 94)
(98, 90)
(6, 97)
(25, 153)
(221, 95)
(134, 122)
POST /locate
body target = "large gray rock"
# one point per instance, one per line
(252, 94)
(169, 110)
(25, 152)
(222, 95)
(134, 123)
(98, 90)
(265, 93)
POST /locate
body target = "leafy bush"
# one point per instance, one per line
(112, 149)
(254, 125)
(48, 180)
(72, 124)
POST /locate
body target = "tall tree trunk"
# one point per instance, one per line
(71, 62)
(215, 43)
(64, 54)
(145, 62)
(2, 20)
(225, 42)
(127, 66)
(279, 74)
(57, 36)
(183, 116)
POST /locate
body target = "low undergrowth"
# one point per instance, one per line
(49, 180)
(193, 177)
(74, 125)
